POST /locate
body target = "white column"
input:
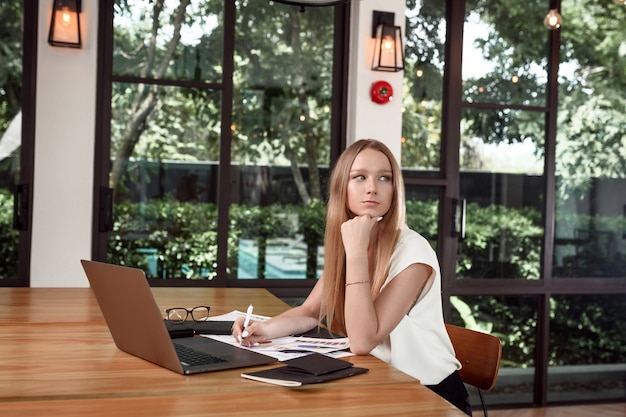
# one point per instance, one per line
(367, 119)
(64, 154)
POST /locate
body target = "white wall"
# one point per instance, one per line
(64, 148)
(65, 131)
(367, 119)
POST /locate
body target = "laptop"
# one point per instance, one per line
(138, 328)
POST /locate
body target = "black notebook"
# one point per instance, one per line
(310, 369)
(189, 328)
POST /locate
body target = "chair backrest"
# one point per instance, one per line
(479, 354)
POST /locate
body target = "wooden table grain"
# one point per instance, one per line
(57, 358)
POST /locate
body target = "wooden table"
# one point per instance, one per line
(57, 358)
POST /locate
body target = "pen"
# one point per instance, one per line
(246, 322)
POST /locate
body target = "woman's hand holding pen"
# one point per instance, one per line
(296, 320)
(253, 333)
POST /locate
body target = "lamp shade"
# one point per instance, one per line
(65, 24)
(388, 49)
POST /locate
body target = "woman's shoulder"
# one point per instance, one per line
(412, 248)
(410, 237)
(411, 245)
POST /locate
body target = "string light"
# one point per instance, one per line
(553, 19)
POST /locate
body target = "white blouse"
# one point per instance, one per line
(419, 345)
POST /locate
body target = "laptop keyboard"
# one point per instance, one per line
(192, 357)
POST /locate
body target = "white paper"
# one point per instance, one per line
(235, 314)
(284, 348)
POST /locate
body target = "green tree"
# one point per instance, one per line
(423, 77)
(279, 117)
(11, 29)
(283, 78)
(592, 83)
(9, 237)
(145, 98)
(592, 110)
(281, 107)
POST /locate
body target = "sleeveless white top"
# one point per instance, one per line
(419, 345)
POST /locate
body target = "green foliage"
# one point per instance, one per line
(9, 237)
(185, 235)
(584, 329)
(592, 142)
(512, 319)
(424, 49)
(182, 237)
(312, 225)
(594, 37)
(421, 131)
(260, 224)
(11, 29)
(514, 44)
(281, 106)
(422, 95)
(515, 235)
(422, 216)
(256, 222)
(172, 239)
(502, 242)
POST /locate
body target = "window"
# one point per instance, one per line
(524, 126)
(225, 181)
(221, 107)
(17, 80)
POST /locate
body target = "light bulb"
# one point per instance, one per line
(66, 16)
(553, 19)
(388, 43)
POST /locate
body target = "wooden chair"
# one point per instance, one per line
(479, 354)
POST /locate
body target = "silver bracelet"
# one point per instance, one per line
(358, 282)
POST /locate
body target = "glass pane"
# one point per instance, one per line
(504, 53)
(423, 79)
(590, 235)
(281, 140)
(10, 131)
(502, 181)
(164, 176)
(169, 40)
(587, 348)
(422, 211)
(514, 321)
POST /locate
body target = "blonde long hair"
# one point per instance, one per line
(332, 309)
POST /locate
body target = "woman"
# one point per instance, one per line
(381, 284)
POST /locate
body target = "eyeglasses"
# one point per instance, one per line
(178, 315)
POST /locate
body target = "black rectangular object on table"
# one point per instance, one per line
(190, 327)
(310, 369)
